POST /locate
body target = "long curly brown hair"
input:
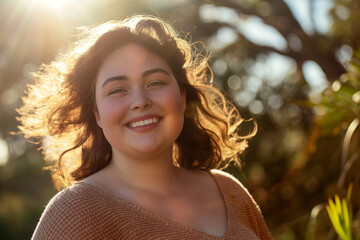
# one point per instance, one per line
(58, 106)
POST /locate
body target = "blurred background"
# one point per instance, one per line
(293, 65)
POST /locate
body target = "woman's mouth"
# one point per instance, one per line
(144, 122)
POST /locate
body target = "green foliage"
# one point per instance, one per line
(339, 114)
(341, 215)
(341, 103)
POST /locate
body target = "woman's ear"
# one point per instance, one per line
(97, 117)
(183, 99)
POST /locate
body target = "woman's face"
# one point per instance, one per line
(140, 105)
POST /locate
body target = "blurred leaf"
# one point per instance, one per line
(341, 216)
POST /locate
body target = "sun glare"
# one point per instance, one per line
(56, 4)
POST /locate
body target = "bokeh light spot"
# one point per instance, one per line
(4, 152)
(234, 82)
(256, 107)
(336, 86)
(356, 97)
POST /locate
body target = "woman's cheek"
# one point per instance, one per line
(111, 110)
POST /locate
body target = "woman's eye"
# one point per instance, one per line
(155, 83)
(117, 91)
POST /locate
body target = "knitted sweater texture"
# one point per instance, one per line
(84, 211)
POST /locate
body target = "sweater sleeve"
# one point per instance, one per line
(242, 205)
(65, 218)
(260, 226)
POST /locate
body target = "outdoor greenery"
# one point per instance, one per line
(307, 149)
(341, 215)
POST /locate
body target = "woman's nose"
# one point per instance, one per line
(140, 100)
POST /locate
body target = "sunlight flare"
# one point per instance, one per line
(56, 4)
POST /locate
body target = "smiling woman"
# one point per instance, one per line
(136, 131)
(133, 78)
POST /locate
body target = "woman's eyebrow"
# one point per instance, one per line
(155, 70)
(146, 73)
(115, 78)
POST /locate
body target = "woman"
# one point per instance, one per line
(136, 130)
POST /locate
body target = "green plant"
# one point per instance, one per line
(341, 215)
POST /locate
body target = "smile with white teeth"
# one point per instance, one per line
(144, 122)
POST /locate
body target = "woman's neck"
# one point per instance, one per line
(150, 173)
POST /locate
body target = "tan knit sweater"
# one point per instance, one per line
(84, 211)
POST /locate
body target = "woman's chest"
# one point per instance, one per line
(192, 210)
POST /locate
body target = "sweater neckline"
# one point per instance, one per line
(168, 220)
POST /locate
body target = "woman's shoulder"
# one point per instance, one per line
(73, 197)
(223, 175)
(241, 205)
(227, 180)
(232, 188)
(73, 210)
(81, 199)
